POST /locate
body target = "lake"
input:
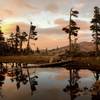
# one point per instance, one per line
(43, 84)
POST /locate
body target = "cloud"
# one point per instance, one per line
(61, 22)
(45, 41)
(15, 7)
(52, 7)
(47, 37)
(8, 28)
(51, 37)
(84, 33)
(84, 25)
(9, 12)
(79, 6)
(51, 31)
(46, 13)
(25, 7)
(21, 3)
(4, 13)
(54, 36)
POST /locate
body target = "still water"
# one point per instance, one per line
(48, 85)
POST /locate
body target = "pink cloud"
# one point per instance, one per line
(82, 24)
(79, 5)
(52, 37)
(52, 7)
(45, 41)
(61, 22)
(47, 38)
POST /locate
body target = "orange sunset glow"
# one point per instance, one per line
(49, 16)
(49, 49)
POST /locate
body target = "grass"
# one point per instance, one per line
(46, 59)
(25, 59)
(89, 60)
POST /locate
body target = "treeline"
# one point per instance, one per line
(14, 44)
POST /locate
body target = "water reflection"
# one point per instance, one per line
(33, 82)
(45, 81)
(74, 90)
(3, 71)
(20, 77)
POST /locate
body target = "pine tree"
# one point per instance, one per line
(22, 38)
(1, 35)
(17, 34)
(38, 50)
(11, 40)
(2, 43)
(32, 35)
(72, 28)
(95, 27)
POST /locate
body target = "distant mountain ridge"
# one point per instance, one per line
(86, 46)
(83, 46)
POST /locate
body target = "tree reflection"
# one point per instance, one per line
(95, 91)
(33, 82)
(2, 78)
(73, 88)
(21, 76)
(17, 75)
(3, 71)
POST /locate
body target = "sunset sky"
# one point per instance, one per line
(50, 16)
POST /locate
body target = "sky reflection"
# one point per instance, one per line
(50, 86)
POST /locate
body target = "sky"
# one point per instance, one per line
(50, 16)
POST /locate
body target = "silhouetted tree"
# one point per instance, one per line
(2, 42)
(46, 50)
(23, 38)
(72, 28)
(1, 35)
(16, 39)
(38, 50)
(32, 35)
(95, 27)
(11, 40)
(17, 34)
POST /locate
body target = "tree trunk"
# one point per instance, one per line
(96, 44)
(70, 44)
(20, 45)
